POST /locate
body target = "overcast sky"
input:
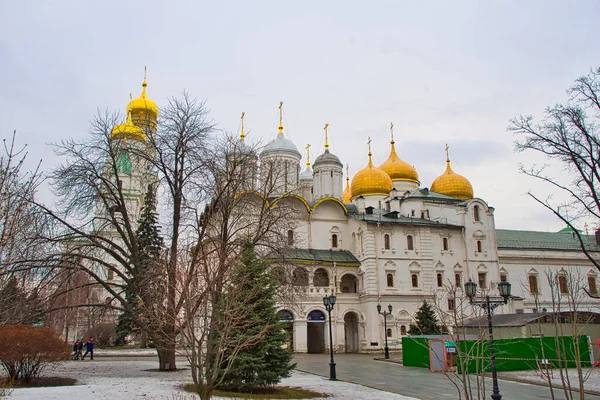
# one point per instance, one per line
(452, 72)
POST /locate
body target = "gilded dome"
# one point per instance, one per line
(143, 105)
(128, 131)
(399, 170)
(371, 181)
(347, 195)
(452, 184)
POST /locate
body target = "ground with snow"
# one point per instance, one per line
(591, 378)
(136, 379)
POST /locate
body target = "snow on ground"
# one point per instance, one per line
(591, 378)
(136, 379)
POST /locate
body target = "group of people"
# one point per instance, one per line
(78, 349)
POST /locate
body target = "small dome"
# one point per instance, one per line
(327, 158)
(399, 170)
(371, 181)
(143, 105)
(281, 144)
(452, 184)
(128, 131)
(347, 195)
(307, 175)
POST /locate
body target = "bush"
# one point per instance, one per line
(104, 334)
(25, 351)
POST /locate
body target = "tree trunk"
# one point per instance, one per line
(166, 359)
(143, 340)
(205, 392)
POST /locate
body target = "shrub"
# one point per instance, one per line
(25, 351)
(104, 334)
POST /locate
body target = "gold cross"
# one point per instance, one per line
(347, 176)
(392, 131)
(326, 138)
(281, 117)
(243, 135)
(307, 155)
(447, 156)
(369, 143)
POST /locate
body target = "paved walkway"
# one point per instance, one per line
(411, 381)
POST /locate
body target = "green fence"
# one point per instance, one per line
(511, 354)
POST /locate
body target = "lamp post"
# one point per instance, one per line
(385, 314)
(329, 302)
(489, 305)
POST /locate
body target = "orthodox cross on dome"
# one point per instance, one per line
(307, 156)
(369, 144)
(447, 154)
(392, 131)
(326, 137)
(281, 117)
(242, 134)
(347, 176)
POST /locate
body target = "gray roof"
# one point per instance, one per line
(531, 240)
(327, 158)
(313, 256)
(508, 320)
(425, 193)
(281, 144)
(386, 217)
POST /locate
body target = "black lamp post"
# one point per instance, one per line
(385, 314)
(329, 302)
(489, 305)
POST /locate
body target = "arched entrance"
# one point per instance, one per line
(351, 332)
(287, 318)
(315, 332)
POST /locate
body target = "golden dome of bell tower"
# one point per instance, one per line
(347, 195)
(371, 180)
(452, 184)
(398, 170)
(144, 112)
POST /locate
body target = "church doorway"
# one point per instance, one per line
(315, 332)
(351, 332)
(287, 318)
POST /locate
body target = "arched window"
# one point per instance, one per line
(479, 247)
(482, 277)
(386, 241)
(533, 284)
(349, 284)
(390, 280)
(562, 284)
(451, 304)
(440, 280)
(389, 332)
(300, 277)
(290, 238)
(321, 278)
(503, 277)
(403, 330)
(457, 280)
(334, 241)
(110, 274)
(409, 242)
(476, 213)
(415, 280)
(445, 244)
(592, 285)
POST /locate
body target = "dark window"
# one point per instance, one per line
(110, 274)
(592, 285)
(562, 283)
(445, 243)
(334, 241)
(390, 280)
(482, 280)
(386, 241)
(321, 278)
(389, 332)
(533, 284)
(440, 280)
(412, 213)
(409, 242)
(278, 274)
(503, 278)
(457, 280)
(476, 213)
(415, 280)
(290, 241)
(300, 277)
(403, 329)
(479, 246)
(450, 304)
(349, 284)
(332, 174)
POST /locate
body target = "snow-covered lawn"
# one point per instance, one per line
(592, 382)
(136, 379)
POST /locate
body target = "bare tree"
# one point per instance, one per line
(568, 134)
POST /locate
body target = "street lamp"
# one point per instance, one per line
(489, 305)
(329, 302)
(385, 314)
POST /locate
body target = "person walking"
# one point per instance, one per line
(80, 349)
(89, 348)
(75, 348)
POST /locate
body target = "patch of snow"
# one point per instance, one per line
(135, 379)
(591, 378)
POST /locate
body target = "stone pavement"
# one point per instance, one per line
(411, 381)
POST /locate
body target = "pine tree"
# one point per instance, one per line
(265, 362)
(427, 322)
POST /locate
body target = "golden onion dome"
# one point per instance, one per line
(452, 184)
(371, 181)
(128, 131)
(399, 170)
(347, 195)
(143, 105)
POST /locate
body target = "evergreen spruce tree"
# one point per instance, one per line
(427, 322)
(266, 362)
(145, 277)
